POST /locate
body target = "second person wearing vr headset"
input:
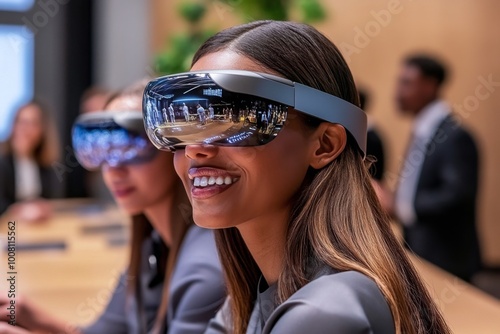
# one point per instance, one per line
(174, 283)
(304, 243)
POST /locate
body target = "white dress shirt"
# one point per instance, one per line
(424, 127)
(28, 183)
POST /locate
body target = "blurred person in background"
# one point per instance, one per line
(435, 199)
(80, 182)
(174, 282)
(26, 175)
(94, 99)
(374, 143)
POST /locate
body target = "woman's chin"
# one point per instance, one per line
(131, 210)
(211, 223)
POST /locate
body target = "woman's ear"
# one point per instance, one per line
(330, 140)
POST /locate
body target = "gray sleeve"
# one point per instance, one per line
(218, 324)
(303, 318)
(197, 290)
(345, 303)
(113, 319)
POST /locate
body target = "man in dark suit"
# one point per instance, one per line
(435, 200)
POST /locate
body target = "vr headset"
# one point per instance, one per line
(236, 108)
(111, 137)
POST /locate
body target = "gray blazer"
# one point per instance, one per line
(196, 291)
(340, 303)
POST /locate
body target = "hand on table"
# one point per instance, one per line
(27, 315)
(31, 211)
(29, 318)
(6, 328)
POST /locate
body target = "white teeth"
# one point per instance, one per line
(204, 181)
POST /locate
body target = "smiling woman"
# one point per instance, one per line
(174, 281)
(303, 240)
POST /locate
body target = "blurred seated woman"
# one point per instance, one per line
(174, 282)
(26, 175)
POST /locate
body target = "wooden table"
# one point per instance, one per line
(73, 282)
(467, 310)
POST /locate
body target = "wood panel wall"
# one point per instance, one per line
(375, 35)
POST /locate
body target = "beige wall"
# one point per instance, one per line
(463, 32)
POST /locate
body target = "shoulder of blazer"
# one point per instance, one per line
(7, 182)
(449, 131)
(7, 167)
(348, 302)
(46, 174)
(451, 125)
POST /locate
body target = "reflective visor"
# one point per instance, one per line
(111, 137)
(236, 108)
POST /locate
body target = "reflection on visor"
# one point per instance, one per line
(236, 108)
(192, 108)
(102, 142)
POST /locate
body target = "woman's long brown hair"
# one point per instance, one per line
(142, 230)
(337, 220)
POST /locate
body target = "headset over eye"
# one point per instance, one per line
(236, 108)
(111, 137)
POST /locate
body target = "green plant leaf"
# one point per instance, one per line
(192, 12)
(177, 57)
(312, 11)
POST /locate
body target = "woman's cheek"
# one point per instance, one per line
(180, 164)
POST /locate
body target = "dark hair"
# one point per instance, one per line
(93, 92)
(337, 219)
(429, 66)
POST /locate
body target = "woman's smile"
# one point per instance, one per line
(209, 181)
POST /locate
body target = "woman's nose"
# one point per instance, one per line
(116, 171)
(197, 152)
